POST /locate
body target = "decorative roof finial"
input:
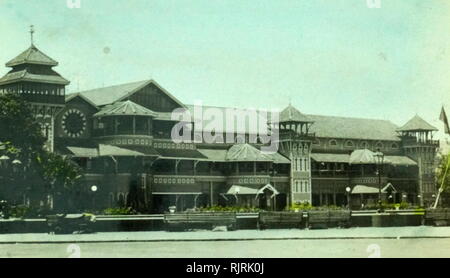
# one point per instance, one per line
(31, 34)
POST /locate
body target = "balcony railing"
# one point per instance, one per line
(414, 141)
(296, 136)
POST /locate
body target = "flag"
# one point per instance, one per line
(443, 118)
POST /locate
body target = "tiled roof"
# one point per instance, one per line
(109, 150)
(220, 155)
(399, 160)
(417, 124)
(245, 152)
(24, 75)
(181, 154)
(244, 120)
(111, 94)
(126, 108)
(345, 158)
(364, 156)
(291, 114)
(353, 128)
(32, 56)
(83, 152)
(323, 126)
(68, 98)
(331, 157)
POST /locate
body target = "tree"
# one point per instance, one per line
(41, 172)
(18, 126)
(443, 173)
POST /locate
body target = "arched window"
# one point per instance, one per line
(364, 145)
(349, 144)
(379, 145)
(316, 142)
(394, 146)
(333, 142)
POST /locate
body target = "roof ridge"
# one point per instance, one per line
(348, 117)
(114, 86)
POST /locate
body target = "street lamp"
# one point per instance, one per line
(348, 189)
(379, 157)
(16, 165)
(4, 160)
(93, 189)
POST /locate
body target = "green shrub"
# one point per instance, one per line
(119, 211)
(228, 209)
(23, 211)
(301, 206)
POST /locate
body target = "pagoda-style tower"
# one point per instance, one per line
(418, 144)
(33, 78)
(295, 142)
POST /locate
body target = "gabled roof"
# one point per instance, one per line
(24, 75)
(291, 114)
(245, 152)
(417, 124)
(32, 56)
(364, 156)
(111, 94)
(353, 128)
(126, 108)
(70, 97)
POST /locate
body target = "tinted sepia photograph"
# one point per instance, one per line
(224, 129)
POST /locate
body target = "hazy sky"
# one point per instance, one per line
(331, 57)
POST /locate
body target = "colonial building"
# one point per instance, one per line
(122, 137)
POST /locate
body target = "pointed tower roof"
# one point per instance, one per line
(126, 108)
(417, 124)
(32, 56)
(291, 114)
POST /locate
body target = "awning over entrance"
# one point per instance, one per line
(108, 150)
(220, 155)
(242, 190)
(361, 157)
(177, 193)
(187, 154)
(331, 157)
(83, 152)
(400, 160)
(250, 190)
(365, 189)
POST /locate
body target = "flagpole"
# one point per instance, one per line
(441, 189)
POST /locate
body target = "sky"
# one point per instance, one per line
(327, 57)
